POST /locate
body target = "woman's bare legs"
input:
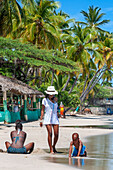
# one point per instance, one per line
(49, 130)
(56, 134)
(29, 147)
(7, 144)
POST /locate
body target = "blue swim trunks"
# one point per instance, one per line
(75, 151)
(16, 150)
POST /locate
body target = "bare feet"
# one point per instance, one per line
(84, 155)
(51, 151)
(1, 150)
(54, 150)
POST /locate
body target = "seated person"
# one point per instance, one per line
(18, 138)
(77, 145)
(16, 107)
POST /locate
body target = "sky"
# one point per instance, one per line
(74, 7)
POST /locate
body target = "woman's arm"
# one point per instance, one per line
(42, 114)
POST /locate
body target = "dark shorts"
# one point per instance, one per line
(16, 150)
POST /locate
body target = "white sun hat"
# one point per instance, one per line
(51, 90)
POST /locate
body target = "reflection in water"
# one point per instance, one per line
(76, 162)
(100, 154)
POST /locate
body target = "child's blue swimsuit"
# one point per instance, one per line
(75, 151)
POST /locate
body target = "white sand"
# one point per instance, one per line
(39, 136)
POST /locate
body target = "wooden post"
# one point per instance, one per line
(34, 101)
(21, 100)
(12, 106)
(39, 104)
(11, 97)
(5, 100)
(39, 108)
(25, 108)
(7, 113)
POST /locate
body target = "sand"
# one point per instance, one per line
(36, 134)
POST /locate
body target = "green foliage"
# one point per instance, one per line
(93, 17)
(68, 99)
(35, 57)
(38, 22)
(43, 87)
(104, 92)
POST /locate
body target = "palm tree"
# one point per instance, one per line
(9, 10)
(38, 26)
(93, 18)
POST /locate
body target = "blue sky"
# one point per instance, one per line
(74, 7)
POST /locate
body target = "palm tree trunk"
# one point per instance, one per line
(89, 84)
(52, 77)
(72, 86)
(46, 75)
(39, 70)
(93, 85)
(66, 82)
(85, 83)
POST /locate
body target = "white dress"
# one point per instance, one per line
(50, 116)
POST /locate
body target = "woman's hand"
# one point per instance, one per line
(41, 124)
(42, 113)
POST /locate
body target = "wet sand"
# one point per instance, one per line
(100, 154)
(39, 159)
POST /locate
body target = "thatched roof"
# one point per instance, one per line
(17, 87)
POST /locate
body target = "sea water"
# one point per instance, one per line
(100, 154)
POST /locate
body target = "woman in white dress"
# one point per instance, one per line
(49, 111)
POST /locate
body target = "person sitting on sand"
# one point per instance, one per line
(77, 145)
(18, 138)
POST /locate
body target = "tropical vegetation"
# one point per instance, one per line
(42, 46)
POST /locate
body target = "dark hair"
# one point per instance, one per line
(18, 125)
(46, 96)
(75, 136)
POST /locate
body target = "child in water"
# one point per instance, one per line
(79, 148)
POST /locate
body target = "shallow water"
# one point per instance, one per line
(109, 126)
(100, 154)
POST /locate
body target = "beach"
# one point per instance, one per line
(40, 157)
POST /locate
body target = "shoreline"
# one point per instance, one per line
(39, 135)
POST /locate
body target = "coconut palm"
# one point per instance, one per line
(38, 27)
(10, 13)
(93, 18)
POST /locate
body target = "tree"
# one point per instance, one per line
(9, 10)
(38, 27)
(30, 57)
(93, 18)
